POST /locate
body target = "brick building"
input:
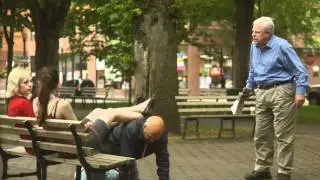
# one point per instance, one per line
(194, 62)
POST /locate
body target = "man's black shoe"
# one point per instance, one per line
(258, 175)
(281, 176)
(147, 112)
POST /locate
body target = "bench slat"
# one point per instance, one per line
(104, 161)
(208, 110)
(107, 162)
(43, 133)
(55, 123)
(217, 116)
(210, 97)
(204, 103)
(67, 148)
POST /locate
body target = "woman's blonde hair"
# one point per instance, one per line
(15, 78)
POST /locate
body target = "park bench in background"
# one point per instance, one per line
(56, 138)
(94, 94)
(195, 108)
(86, 93)
(205, 92)
(67, 93)
(2, 96)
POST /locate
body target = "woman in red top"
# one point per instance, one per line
(19, 88)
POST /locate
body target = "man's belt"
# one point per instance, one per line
(272, 85)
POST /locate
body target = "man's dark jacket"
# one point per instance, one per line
(127, 139)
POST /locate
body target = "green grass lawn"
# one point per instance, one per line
(309, 114)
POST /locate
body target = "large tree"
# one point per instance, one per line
(244, 17)
(148, 29)
(155, 52)
(48, 17)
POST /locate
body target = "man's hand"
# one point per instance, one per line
(92, 117)
(247, 92)
(299, 100)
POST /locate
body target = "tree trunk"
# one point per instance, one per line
(47, 46)
(48, 18)
(155, 52)
(24, 39)
(240, 64)
(9, 35)
(130, 91)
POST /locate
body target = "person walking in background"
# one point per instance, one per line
(281, 81)
(46, 104)
(18, 91)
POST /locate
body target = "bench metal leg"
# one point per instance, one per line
(233, 128)
(43, 170)
(4, 158)
(78, 173)
(3, 165)
(83, 100)
(42, 163)
(253, 128)
(38, 171)
(227, 129)
(73, 102)
(185, 128)
(87, 167)
(221, 128)
(197, 128)
(126, 172)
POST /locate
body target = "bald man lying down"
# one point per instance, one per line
(126, 132)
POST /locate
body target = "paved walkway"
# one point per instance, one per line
(209, 159)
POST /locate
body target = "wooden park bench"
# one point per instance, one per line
(61, 141)
(195, 108)
(94, 94)
(2, 97)
(205, 92)
(67, 93)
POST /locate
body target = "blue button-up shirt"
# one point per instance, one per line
(276, 62)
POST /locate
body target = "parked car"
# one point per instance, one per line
(314, 95)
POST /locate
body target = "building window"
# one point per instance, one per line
(315, 71)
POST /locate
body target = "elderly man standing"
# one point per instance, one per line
(281, 81)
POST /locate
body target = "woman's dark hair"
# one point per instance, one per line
(47, 79)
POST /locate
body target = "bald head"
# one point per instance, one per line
(153, 128)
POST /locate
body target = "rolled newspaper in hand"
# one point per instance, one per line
(237, 105)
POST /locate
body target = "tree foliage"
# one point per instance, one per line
(14, 17)
(113, 21)
(292, 17)
(195, 16)
(80, 29)
(117, 26)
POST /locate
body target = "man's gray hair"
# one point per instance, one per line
(266, 22)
